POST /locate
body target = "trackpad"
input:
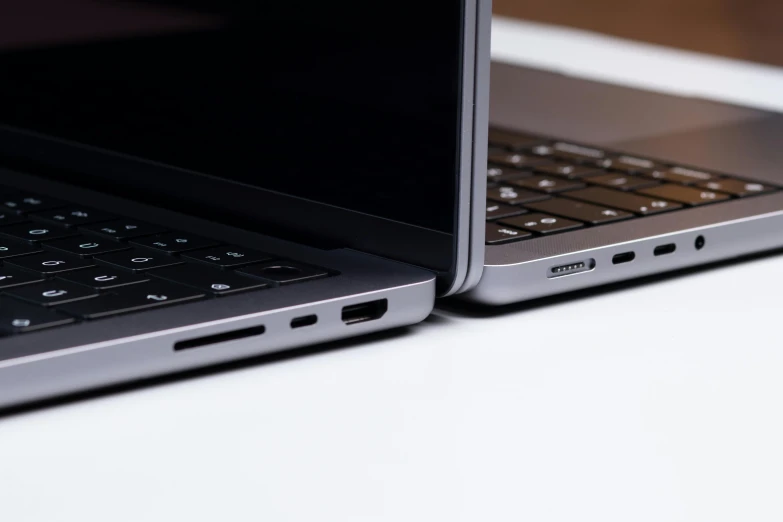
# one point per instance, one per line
(753, 149)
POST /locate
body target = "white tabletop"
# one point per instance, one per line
(651, 402)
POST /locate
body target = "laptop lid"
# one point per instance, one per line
(339, 125)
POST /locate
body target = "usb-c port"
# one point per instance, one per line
(625, 257)
(662, 250)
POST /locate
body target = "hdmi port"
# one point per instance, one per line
(363, 312)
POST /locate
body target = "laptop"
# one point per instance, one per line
(189, 182)
(591, 183)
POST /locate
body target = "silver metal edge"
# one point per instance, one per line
(470, 186)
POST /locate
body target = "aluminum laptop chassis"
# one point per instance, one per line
(51, 362)
(40, 365)
(695, 133)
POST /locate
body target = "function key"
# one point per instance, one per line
(175, 242)
(52, 293)
(497, 235)
(541, 223)
(86, 246)
(513, 140)
(682, 175)
(631, 165)
(47, 263)
(11, 277)
(124, 229)
(73, 216)
(18, 317)
(285, 272)
(103, 278)
(517, 160)
(550, 185)
(513, 195)
(638, 204)
(577, 153)
(137, 260)
(218, 282)
(35, 232)
(12, 249)
(154, 294)
(735, 187)
(688, 195)
(7, 217)
(227, 256)
(569, 171)
(579, 211)
(499, 210)
(622, 181)
(499, 173)
(23, 203)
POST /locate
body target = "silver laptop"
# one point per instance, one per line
(190, 182)
(590, 184)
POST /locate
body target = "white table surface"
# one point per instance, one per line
(653, 402)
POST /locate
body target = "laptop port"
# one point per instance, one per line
(307, 320)
(625, 257)
(363, 312)
(219, 338)
(662, 250)
(571, 268)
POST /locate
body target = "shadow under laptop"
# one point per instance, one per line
(477, 311)
(363, 342)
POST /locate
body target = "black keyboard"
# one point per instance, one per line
(538, 186)
(62, 263)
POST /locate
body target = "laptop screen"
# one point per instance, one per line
(353, 105)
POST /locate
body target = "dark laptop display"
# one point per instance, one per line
(233, 104)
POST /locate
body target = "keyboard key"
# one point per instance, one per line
(103, 278)
(568, 170)
(638, 204)
(137, 260)
(47, 263)
(497, 235)
(578, 153)
(11, 277)
(19, 317)
(219, 282)
(86, 246)
(499, 173)
(227, 256)
(514, 196)
(513, 141)
(541, 223)
(52, 293)
(7, 217)
(124, 229)
(579, 211)
(285, 272)
(25, 202)
(11, 249)
(73, 216)
(623, 181)
(735, 187)
(175, 242)
(682, 175)
(632, 165)
(154, 294)
(688, 195)
(499, 210)
(550, 185)
(34, 232)
(517, 160)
